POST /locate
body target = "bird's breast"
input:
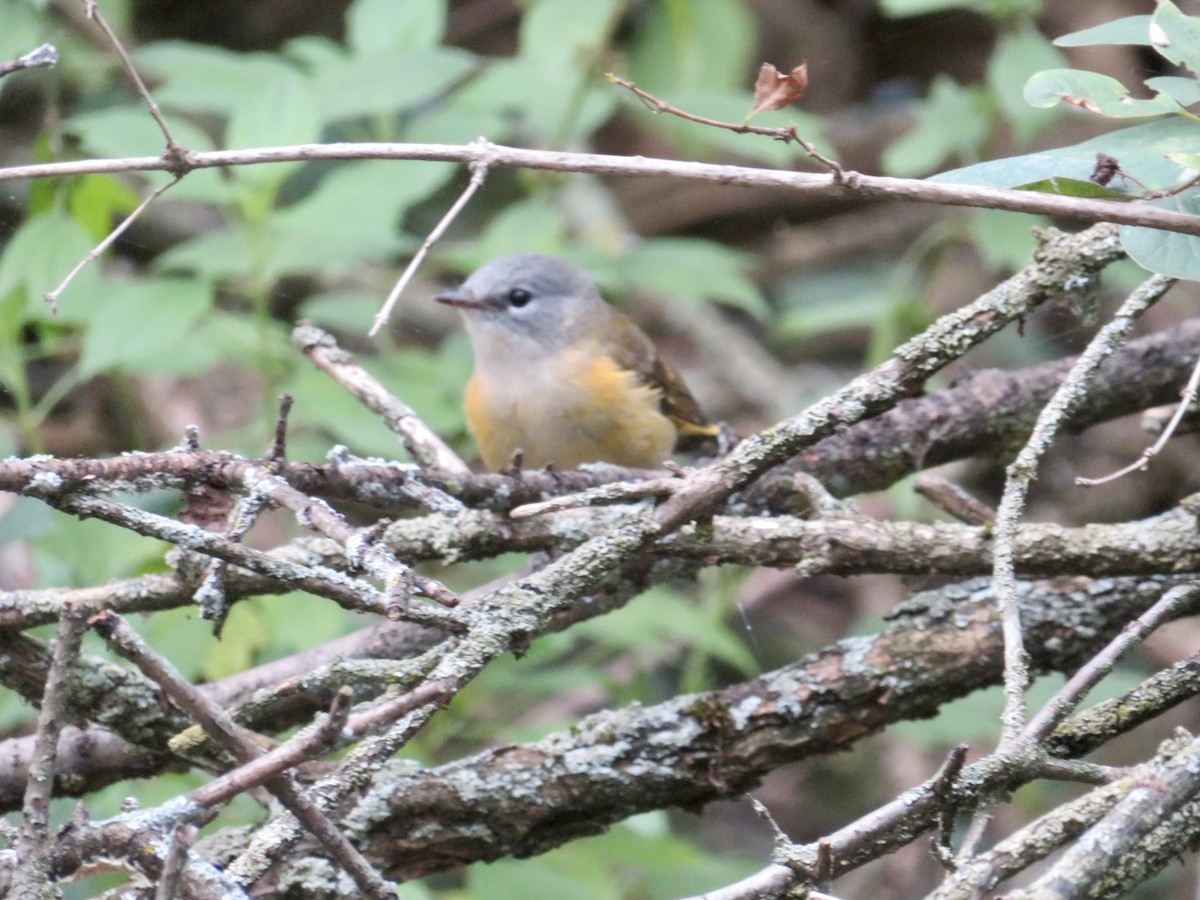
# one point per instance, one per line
(577, 407)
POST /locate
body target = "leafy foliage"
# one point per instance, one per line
(1158, 154)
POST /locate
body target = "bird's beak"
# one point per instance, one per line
(461, 298)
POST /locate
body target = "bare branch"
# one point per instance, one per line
(221, 728)
(33, 845)
(496, 156)
(419, 440)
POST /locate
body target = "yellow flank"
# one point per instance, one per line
(580, 408)
(688, 428)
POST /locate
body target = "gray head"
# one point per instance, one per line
(528, 302)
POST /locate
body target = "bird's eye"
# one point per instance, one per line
(519, 297)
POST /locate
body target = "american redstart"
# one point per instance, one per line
(563, 376)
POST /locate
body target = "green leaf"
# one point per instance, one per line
(517, 87)
(566, 33)
(1094, 92)
(1004, 240)
(1168, 252)
(181, 634)
(527, 226)
(951, 120)
(26, 518)
(431, 382)
(229, 252)
(96, 201)
(1142, 150)
(454, 124)
(664, 612)
(240, 337)
(314, 52)
(244, 635)
(691, 269)
(292, 622)
(1189, 160)
(901, 9)
(347, 311)
(89, 552)
(364, 202)
(1129, 30)
(1017, 56)
(1073, 187)
(1184, 91)
(540, 878)
(280, 110)
(1176, 36)
(383, 85)
(384, 27)
(695, 46)
(561, 42)
(128, 131)
(206, 79)
(143, 326)
(831, 300)
(38, 257)
(24, 28)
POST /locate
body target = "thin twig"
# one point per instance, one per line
(211, 596)
(824, 868)
(33, 845)
(425, 447)
(1020, 475)
(1179, 188)
(953, 499)
(943, 785)
(1072, 693)
(974, 833)
(479, 170)
(278, 451)
(399, 580)
(176, 860)
(351, 593)
(1140, 804)
(1089, 729)
(1079, 772)
(1186, 398)
(175, 151)
(355, 770)
(308, 744)
(45, 55)
(125, 642)
(785, 134)
(619, 492)
(769, 883)
(94, 253)
(337, 726)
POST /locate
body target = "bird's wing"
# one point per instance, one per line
(633, 350)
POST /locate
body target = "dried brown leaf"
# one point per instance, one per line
(774, 90)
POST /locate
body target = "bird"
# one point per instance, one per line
(561, 375)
